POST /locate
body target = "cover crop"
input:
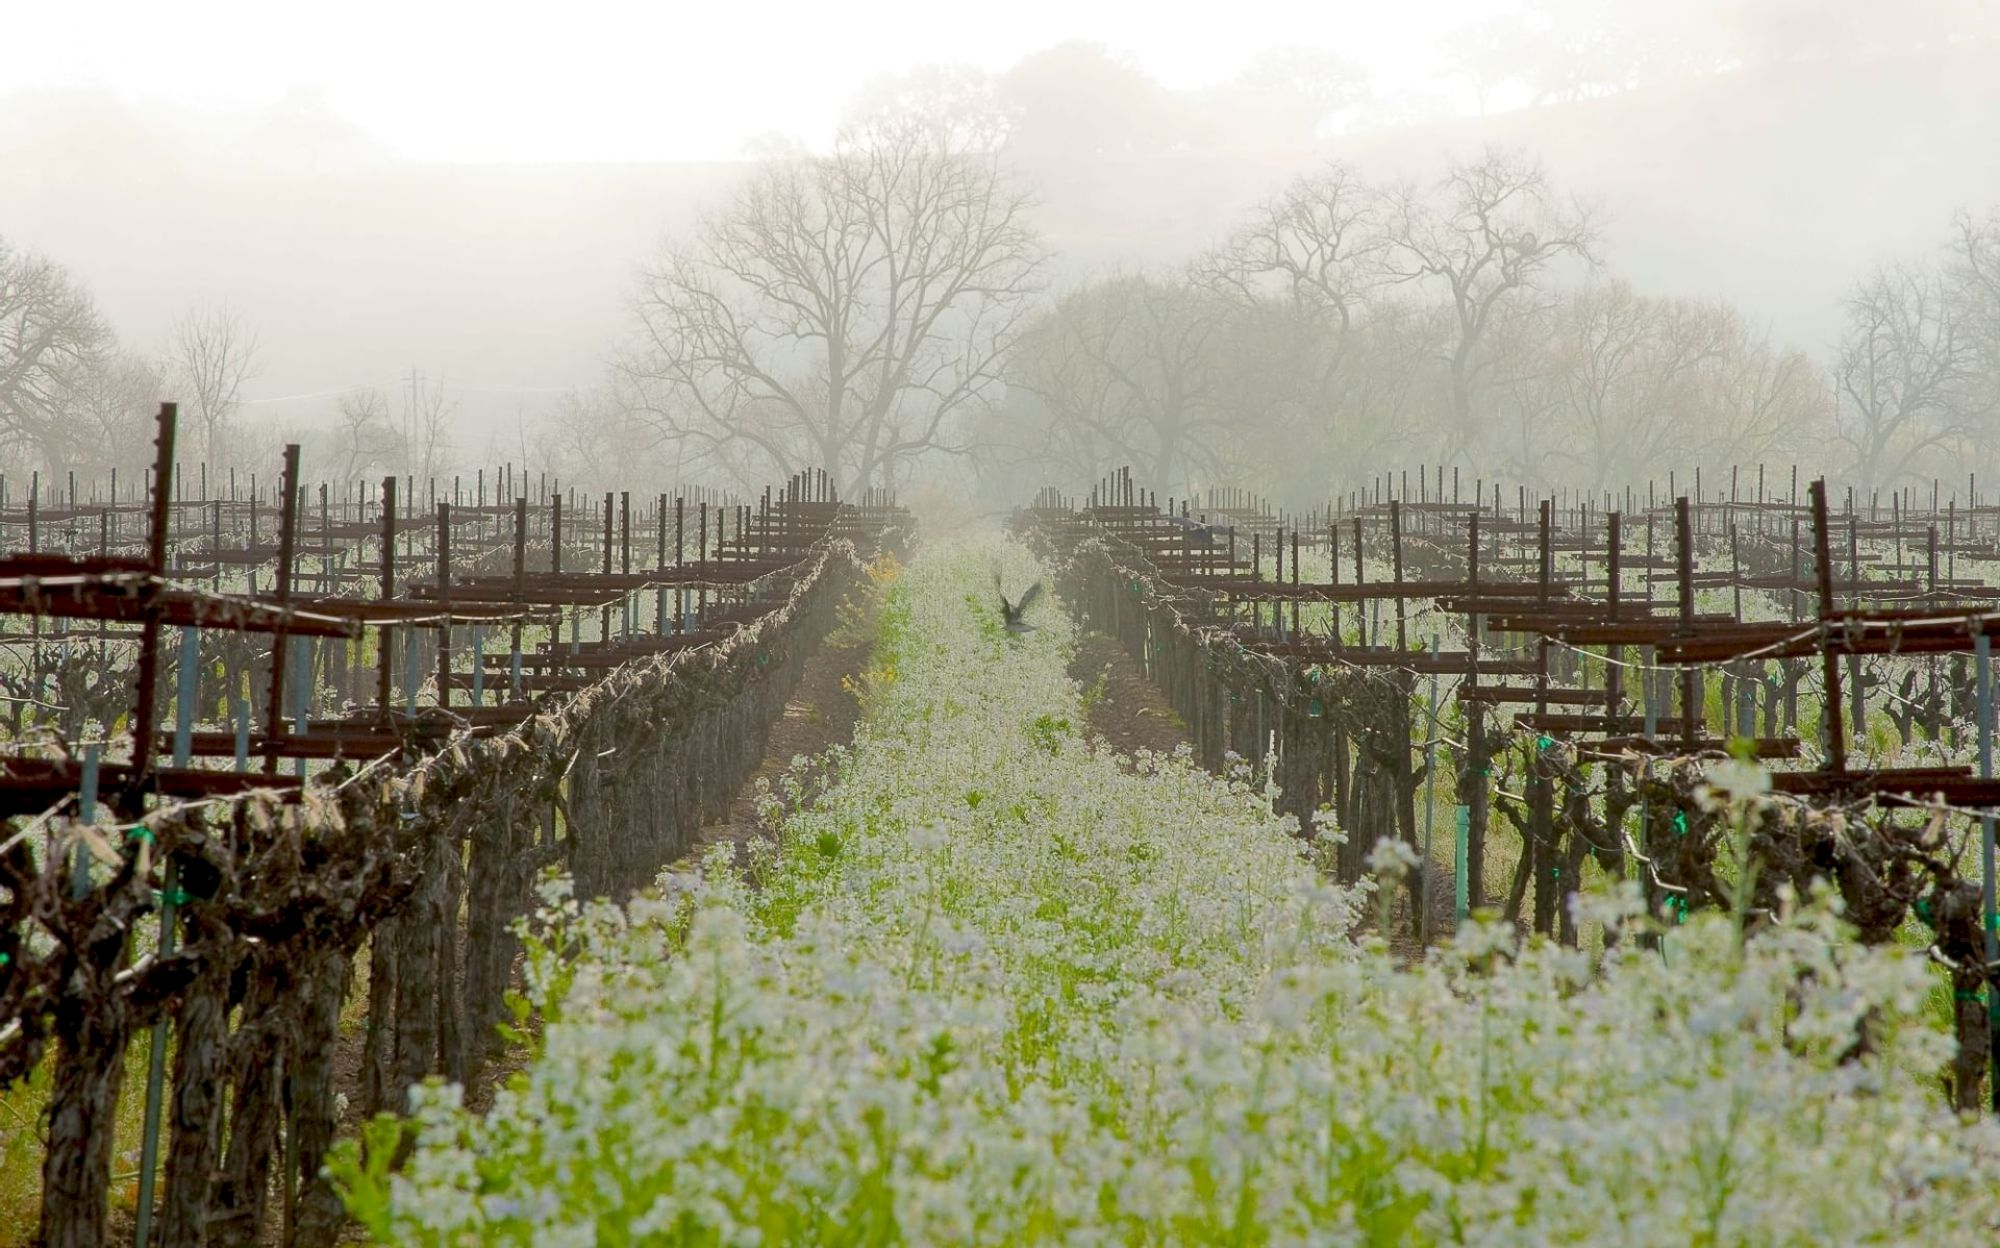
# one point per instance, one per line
(997, 986)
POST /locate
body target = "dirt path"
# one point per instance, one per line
(1124, 709)
(821, 714)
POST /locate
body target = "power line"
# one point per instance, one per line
(403, 380)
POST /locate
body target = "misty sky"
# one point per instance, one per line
(502, 80)
(479, 260)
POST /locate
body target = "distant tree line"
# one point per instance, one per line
(888, 307)
(1471, 321)
(74, 397)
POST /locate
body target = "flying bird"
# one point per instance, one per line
(1013, 614)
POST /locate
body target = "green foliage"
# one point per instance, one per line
(1094, 695)
(1048, 731)
(361, 1172)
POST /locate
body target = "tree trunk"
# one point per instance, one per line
(83, 1111)
(243, 1195)
(451, 1018)
(1473, 793)
(200, 1058)
(417, 986)
(320, 1212)
(1541, 850)
(496, 845)
(378, 1049)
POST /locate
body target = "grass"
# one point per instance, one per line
(23, 1129)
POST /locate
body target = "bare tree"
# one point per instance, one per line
(1316, 249)
(1487, 233)
(592, 436)
(211, 354)
(1613, 383)
(1632, 371)
(1128, 371)
(1764, 402)
(1298, 275)
(365, 438)
(426, 429)
(1597, 340)
(1974, 291)
(113, 396)
(1901, 373)
(849, 311)
(50, 332)
(1523, 394)
(1387, 397)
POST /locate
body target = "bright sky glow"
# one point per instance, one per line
(503, 80)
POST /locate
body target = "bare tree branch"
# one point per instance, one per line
(51, 338)
(211, 354)
(1487, 232)
(851, 311)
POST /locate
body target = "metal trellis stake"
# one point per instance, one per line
(142, 750)
(1430, 799)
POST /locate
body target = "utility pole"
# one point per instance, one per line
(411, 417)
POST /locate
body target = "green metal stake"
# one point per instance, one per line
(156, 1070)
(1652, 686)
(185, 698)
(1462, 886)
(1430, 796)
(156, 1060)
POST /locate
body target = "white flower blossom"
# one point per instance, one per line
(1392, 859)
(1108, 1005)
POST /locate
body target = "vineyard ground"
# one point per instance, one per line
(1128, 714)
(1125, 979)
(821, 713)
(1123, 708)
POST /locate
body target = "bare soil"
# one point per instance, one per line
(821, 714)
(1124, 709)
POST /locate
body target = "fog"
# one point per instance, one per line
(1763, 159)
